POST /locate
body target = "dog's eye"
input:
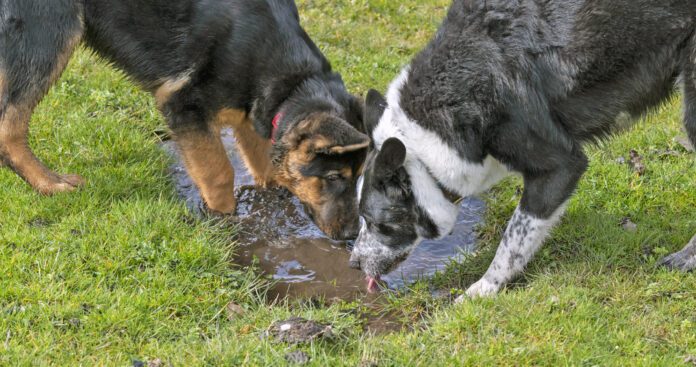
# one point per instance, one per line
(333, 177)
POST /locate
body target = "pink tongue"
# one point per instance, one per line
(372, 284)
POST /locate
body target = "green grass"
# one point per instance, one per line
(120, 271)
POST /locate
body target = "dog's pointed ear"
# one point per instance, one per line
(375, 105)
(325, 134)
(390, 158)
(344, 139)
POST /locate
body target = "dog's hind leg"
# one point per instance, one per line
(36, 42)
(685, 259)
(690, 92)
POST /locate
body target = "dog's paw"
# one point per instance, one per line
(684, 260)
(57, 183)
(482, 288)
(678, 261)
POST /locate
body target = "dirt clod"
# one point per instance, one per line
(628, 224)
(298, 330)
(636, 162)
(234, 310)
(39, 223)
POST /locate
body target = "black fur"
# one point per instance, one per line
(245, 55)
(529, 82)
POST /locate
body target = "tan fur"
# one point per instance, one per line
(347, 172)
(168, 88)
(2, 84)
(16, 154)
(307, 189)
(2, 94)
(350, 148)
(14, 128)
(207, 163)
(310, 189)
(255, 150)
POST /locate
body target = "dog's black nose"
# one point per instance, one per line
(354, 264)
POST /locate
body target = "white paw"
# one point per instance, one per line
(482, 288)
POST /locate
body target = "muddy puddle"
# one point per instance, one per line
(276, 235)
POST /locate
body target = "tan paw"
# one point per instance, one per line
(60, 183)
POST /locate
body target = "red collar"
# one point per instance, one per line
(275, 122)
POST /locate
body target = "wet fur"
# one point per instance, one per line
(519, 86)
(208, 63)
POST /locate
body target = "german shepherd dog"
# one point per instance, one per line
(514, 86)
(246, 64)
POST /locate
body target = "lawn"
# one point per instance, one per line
(121, 273)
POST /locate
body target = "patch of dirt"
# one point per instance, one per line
(39, 223)
(297, 330)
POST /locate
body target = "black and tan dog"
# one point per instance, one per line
(246, 64)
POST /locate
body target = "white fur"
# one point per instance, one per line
(523, 237)
(359, 186)
(429, 156)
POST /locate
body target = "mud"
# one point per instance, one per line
(298, 330)
(275, 234)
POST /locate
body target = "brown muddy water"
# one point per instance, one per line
(275, 234)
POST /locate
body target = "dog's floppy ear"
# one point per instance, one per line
(390, 158)
(375, 105)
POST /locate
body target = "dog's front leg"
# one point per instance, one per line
(684, 260)
(206, 162)
(542, 205)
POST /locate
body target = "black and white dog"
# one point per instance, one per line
(514, 86)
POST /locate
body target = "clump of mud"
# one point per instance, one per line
(275, 234)
(298, 330)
